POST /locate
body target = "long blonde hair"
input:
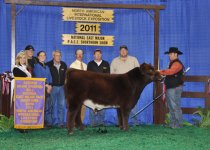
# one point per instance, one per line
(20, 55)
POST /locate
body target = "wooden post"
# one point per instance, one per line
(13, 34)
(159, 106)
(207, 99)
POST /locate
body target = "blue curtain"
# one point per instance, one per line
(5, 36)
(184, 24)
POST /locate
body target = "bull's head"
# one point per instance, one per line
(150, 71)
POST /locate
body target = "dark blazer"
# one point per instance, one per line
(102, 68)
(18, 73)
(58, 77)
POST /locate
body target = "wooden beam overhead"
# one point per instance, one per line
(86, 5)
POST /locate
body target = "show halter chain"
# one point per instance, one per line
(164, 91)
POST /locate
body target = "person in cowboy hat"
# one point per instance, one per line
(173, 84)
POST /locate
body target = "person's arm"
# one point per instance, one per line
(49, 76)
(65, 67)
(176, 67)
(112, 67)
(49, 81)
(37, 71)
(72, 65)
(136, 62)
(89, 67)
(36, 60)
(85, 67)
(108, 68)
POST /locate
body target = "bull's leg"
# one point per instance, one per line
(125, 115)
(72, 116)
(68, 99)
(78, 120)
(73, 109)
(68, 120)
(119, 115)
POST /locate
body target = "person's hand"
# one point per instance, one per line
(161, 72)
(49, 88)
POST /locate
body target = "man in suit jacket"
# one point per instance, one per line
(99, 66)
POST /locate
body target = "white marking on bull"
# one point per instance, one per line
(89, 103)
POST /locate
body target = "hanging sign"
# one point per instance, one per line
(96, 40)
(88, 15)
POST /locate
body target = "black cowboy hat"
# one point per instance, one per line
(173, 50)
(28, 47)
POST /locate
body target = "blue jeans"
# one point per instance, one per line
(97, 119)
(48, 115)
(173, 97)
(57, 96)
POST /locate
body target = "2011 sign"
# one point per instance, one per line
(88, 28)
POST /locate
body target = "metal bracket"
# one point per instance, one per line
(20, 10)
(150, 14)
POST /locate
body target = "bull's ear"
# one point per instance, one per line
(142, 66)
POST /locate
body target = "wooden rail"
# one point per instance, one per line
(204, 95)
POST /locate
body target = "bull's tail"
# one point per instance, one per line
(66, 84)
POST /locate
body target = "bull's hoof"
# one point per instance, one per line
(125, 129)
(81, 128)
(70, 132)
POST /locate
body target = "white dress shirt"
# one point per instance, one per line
(77, 65)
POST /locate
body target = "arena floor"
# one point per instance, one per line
(137, 138)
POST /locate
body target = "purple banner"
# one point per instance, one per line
(29, 103)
